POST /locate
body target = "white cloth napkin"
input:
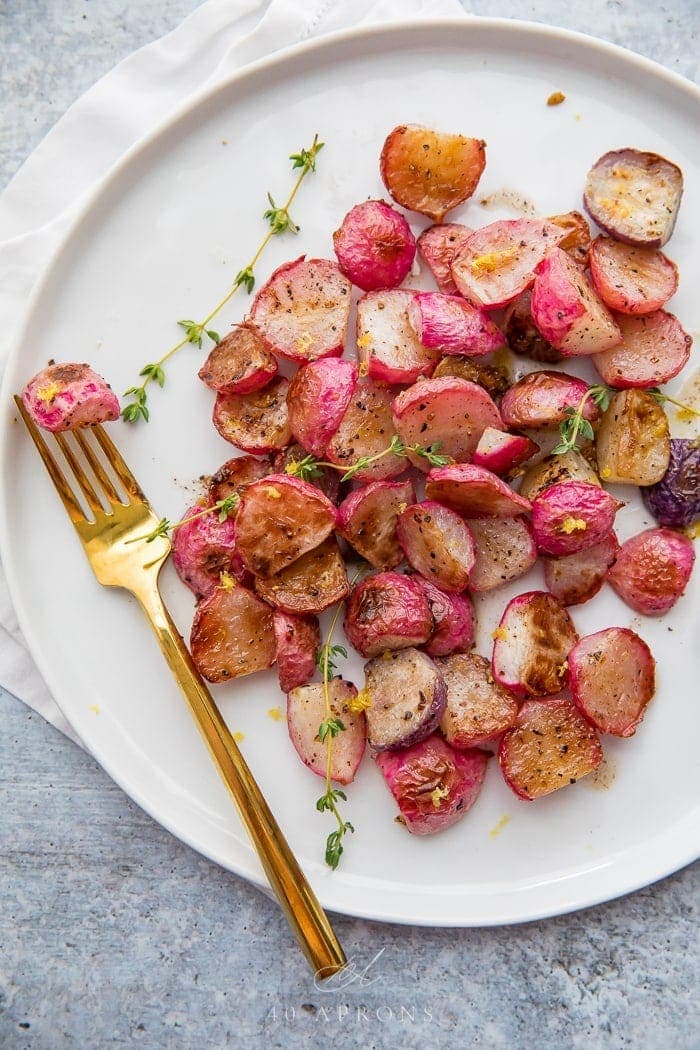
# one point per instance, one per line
(35, 209)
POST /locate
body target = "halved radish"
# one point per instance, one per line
(532, 644)
(310, 584)
(572, 516)
(474, 492)
(302, 312)
(454, 619)
(317, 399)
(495, 379)
(407, 697)
(497, 262)
(612, 679)
(203, 548)
(430, 171)
(433, 785)
(438, 245)
(386, 343)
(374, 245)
(577, 239)
(233, 476)
(478, 708)
(568, 466)
(576, 578)
(675, 499)
(239, 363)
(500, 452)
(542, 400)
(232, 635)
(66, 396)
(387, 611)
(631, 280)
(504, 549)
(325, 478)
(279, 519)
(297, 640)
(654, 349)
(633, 444)
(365, 430)
(522, 334)
(449, 412)
(634, 196)
(367, 520)
(306, 710)
(652, 569)
(451, 325)
(550, 746)
(567, 310)
(257, 422)
(437, 544)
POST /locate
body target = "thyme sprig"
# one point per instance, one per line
(575, 428)
(310, 467)
(226, 508)
(279, 221)
(664, 398)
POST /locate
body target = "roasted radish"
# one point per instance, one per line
(652, 569)
(437, 544)
(239, 363)
(576, 241)
(324, 478)
(572, 516)
(365, 430)
(493, 378)
(387, 345)
(631, 280)
(478, 708)
(387, 611)
(522, 334)
(500, 452)
(232, 635)
(438, 245)
(451, 325)
(317, 400)
(675, 500)
(367, 520)
(612, 679)
(633, 445)
(297, 640)
(576, 578)
(654, 349)
(257, 422)
(374, 246)
(454, 619)
(231, 478)
(545, 399)
(203, 549)
(310, 584)
(407, 697)
(449, 412)
(306, 710)
(569, 466)
(504, 550)
(634, 196)
(567, 310)
(66, 396)
(474, 492)
(532, 644)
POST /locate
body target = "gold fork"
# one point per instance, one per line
(117, 562)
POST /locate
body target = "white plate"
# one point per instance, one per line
(161, 240)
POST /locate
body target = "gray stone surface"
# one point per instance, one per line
(112, 932)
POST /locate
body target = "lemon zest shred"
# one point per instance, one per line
(95, 708)
(499, 826)
(304, 342)
(606, 473)
(490, 261)
(275, 714)
(227, 581)
(238, 736)
(501, 633)
(360, 703)
(48, 392)
(437, 795)
(272, 492)
(562, 669)
(365, 340)
(570, 525)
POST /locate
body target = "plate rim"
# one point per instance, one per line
(688, 849)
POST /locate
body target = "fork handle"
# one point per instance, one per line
(304, 913)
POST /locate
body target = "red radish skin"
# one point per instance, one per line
(232, 477)
(257, 422)
(474, 492)
(541, 400)
(654, 349)
(366, 429)
(631, 280)
(454, 620)
(572, 516)
(531, 645)
(310, 584)
(317, 400)
(451, 325)
(550, 746)
(203, 548)
(576, 578)
(374, 246)
(387, 346)
(438, 246)
(239, 363)
(65, 396)
(652, 570)
(433, 785)
(407, 699)
(387, 611)
(232, 635)
(306, 709)
(302, 312)
(634, 196)
(478, 708)
(500, 452)
(504, 550)
(450, 412)
(567, 310)
(437, 544)
(612, 679)
(297, 639)
(367, 520)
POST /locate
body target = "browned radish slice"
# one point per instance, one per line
(367, 520)
(387, 611)
(310, 584)
(550, 746)
(478, 708)
(653, 350)
(567, 310)
(239, 363)
(257, 422)
(387, 346)
(66, 396)
(231, 478)
(451, 325)
(203, 548)
(438, 245)
(504, 549)
(430, 171)
(449, 412)
(500, 452)
(434, 786)
(474, 492)
(306, 710)
(493, 378)
(497, 263)
(576, 578)
(279, 519)
(531, 645)
(317, 399)
(631, 280)
(407, 697)
(374, 245)
(577, 237)
(569, 466)
(302, 312)
(633, 446)
(232, 635)
(437, 544)
(455, 622)
(365, 430)
(572, 516)
(522, 334)
(612, 679)
(542, 400)
(652, 569)
(634, 196)
(297, 639)
(326, 479)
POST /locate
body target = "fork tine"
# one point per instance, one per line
(80, 476)
(97, 468)
(62, 487)
(118, 465)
